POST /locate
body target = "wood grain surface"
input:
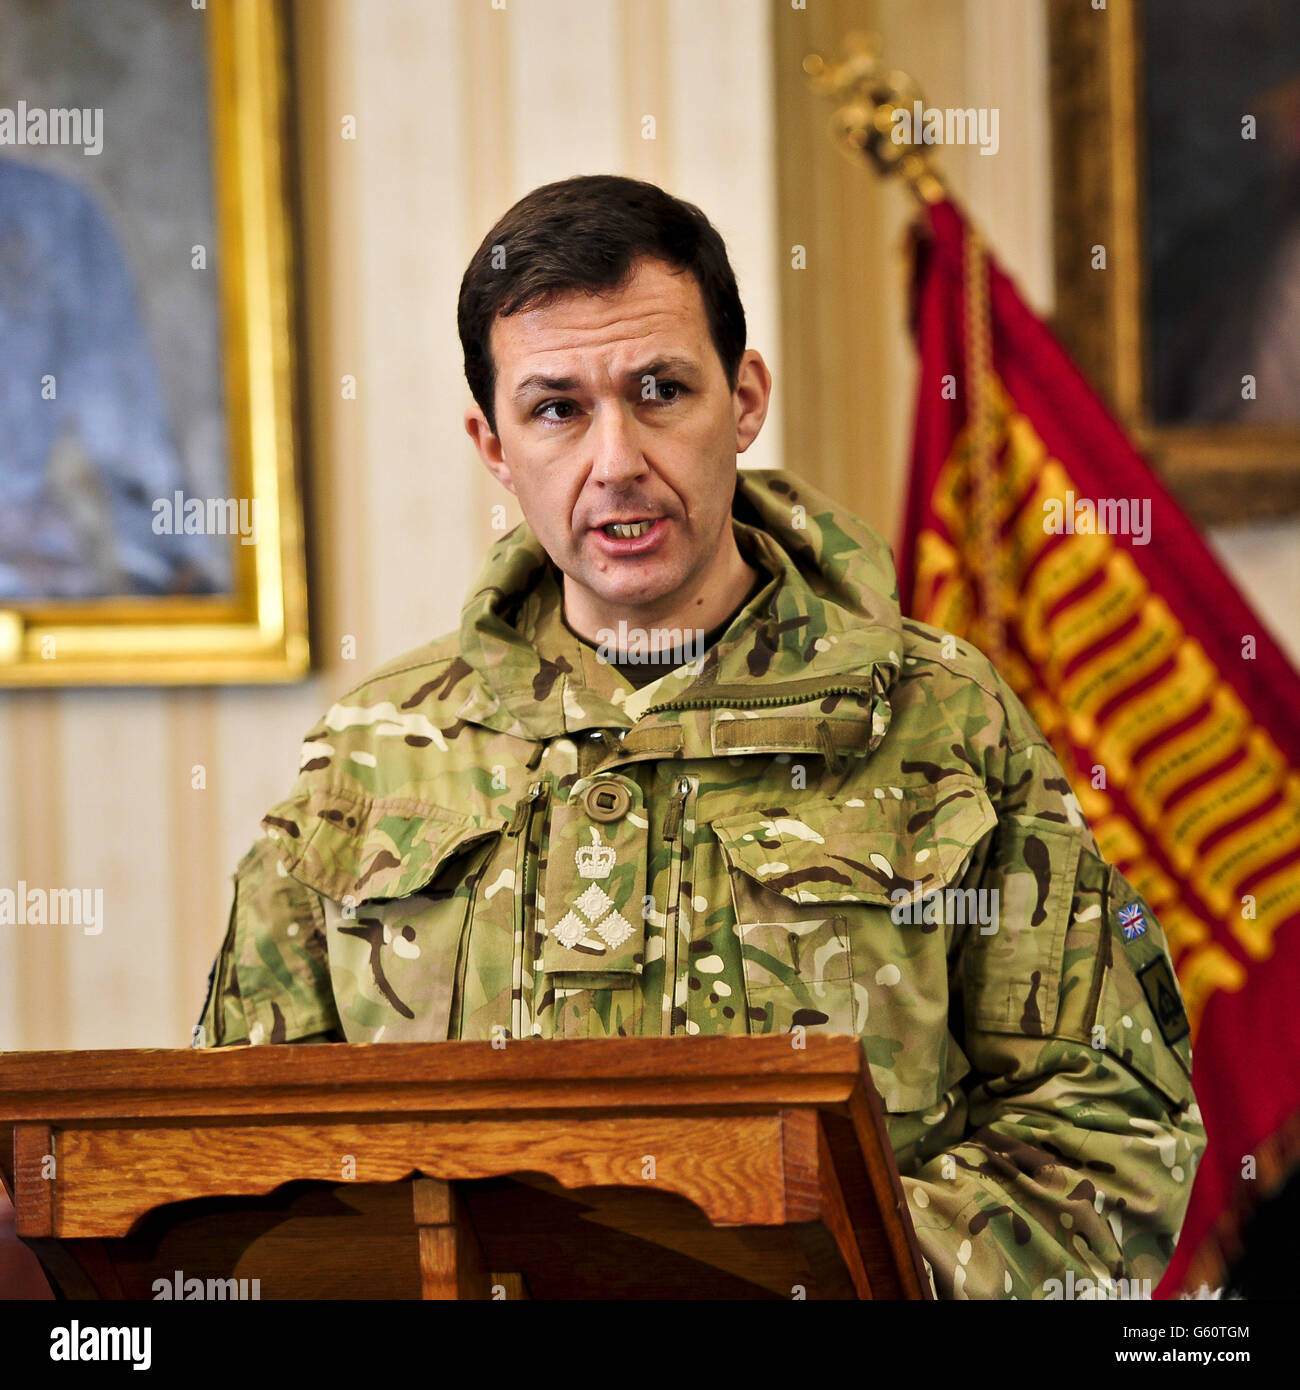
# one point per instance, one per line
(721, 1166)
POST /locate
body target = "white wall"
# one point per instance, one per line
(461, 108)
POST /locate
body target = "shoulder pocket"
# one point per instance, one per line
(830, 906)
(397, 879)
(1013, 973)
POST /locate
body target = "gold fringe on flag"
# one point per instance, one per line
(982, 435)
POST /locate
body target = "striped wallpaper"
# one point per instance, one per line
(461, 107)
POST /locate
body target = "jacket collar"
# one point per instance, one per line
(829, 624)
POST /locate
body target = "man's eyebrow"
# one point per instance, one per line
(537, 382)
(662, 366)
(666, 366)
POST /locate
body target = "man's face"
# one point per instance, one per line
(616, 408)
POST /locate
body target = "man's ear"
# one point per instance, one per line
(488, 445)
(751, 398)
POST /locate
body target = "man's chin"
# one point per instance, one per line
(627, 595)
(627, 590)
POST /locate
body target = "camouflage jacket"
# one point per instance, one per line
(836, 819)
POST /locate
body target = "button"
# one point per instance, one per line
(607, 801)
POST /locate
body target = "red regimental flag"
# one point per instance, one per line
(1173, 711)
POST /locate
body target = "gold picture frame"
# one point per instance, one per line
(256, 632)
(1220, 473)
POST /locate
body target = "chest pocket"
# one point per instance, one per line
(835, 932)
(397, 891)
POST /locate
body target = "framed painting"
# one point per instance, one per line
(151, 523)
(1176, 158)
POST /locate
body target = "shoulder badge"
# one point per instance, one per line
(1157, 981)
(1133, 920)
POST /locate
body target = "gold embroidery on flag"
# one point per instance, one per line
(1068, 599)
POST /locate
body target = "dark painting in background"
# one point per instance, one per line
(151, 522)
(1176, 229)
(1222, 193)
(110, 376)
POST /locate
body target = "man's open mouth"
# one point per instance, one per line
(627, 530)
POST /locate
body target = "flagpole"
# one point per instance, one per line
(864, 122)
(873, 119)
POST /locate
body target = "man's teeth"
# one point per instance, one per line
(627, 531)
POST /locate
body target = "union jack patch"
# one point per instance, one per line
(1133, 921)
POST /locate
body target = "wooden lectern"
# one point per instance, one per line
(705, 1167)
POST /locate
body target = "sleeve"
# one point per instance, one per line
(270, 982)
(1082, 1133)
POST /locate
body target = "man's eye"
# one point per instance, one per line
(668, 391)
(540, 414)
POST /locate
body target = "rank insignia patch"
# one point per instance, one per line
(1133, 920)
(1157, 981)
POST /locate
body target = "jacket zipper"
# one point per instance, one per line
(523, 811)
(736, 696)
(521, 824)
(675, 808)
(675, 831)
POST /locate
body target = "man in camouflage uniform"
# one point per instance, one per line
(821, 815)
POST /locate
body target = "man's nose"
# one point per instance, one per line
(615, 439)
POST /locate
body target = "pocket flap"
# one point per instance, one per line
(860, 850)
(369, 851)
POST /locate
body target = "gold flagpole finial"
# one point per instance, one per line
(864, 122)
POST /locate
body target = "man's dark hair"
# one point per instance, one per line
(585, 234)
